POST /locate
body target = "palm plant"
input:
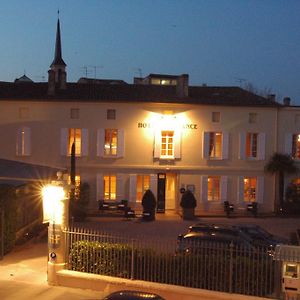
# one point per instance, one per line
(280, 165)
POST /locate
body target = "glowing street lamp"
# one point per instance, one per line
(56, 213)
(53, 197)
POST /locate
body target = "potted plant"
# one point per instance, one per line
(149, 205)
(188, 203)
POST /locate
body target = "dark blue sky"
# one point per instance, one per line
(217, 42)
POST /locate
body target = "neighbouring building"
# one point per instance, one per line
(158, 133)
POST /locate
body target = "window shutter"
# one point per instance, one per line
(27, 141)
(153, 184)
(205, 145)
(204, 180)
(120, 188)
(132, 187)
(225, 145)
(242, 150)
(100, 142)
(240, 191)
(224, 180)
(84, 142)
(120, 143)
(100, 187)
(157, 144)
(261, 146)
(288, 143)
(260, 189)
(177, 144)
(64, 136)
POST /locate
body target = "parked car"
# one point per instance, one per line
(221, 229)
(259, 236)
(132, 295)
(194, 241)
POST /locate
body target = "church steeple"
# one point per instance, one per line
(57, 56)
(57, 76)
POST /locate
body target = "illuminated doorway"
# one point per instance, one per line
(166, 187)
(170, 191)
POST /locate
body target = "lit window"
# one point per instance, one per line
(215, 144)
(111, 142)
(110, 187)
(75, 136)
(111, 114)
(213, 188)
(215, 117)
(250, 189)
(23, 142)
(142, 185)
(77, 185)
(74, 113)
(251, 145)
(252, 117)
(296, 146)
(167, 144)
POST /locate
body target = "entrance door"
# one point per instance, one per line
(161, 192)
(170, 190)
(166, 187)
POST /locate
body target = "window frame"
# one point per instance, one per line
(247, 189)
(109, 147)
(214, 180)
(110, 187)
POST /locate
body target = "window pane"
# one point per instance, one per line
(110, 143)
(75, 136)
(213, 188)
(250, 189)
(167, 147)
(215, 144)
(110, 187)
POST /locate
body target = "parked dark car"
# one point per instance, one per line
(259, 236)
(132, 295)
(195, 241)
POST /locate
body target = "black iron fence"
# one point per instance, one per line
(206, 265)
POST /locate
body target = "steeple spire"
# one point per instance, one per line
(57, 76)
(57, 56)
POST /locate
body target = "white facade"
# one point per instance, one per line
(214, 151)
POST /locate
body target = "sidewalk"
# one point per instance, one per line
(23, 275)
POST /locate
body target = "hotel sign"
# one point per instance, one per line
(185, 126)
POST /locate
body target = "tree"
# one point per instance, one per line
(280, 165)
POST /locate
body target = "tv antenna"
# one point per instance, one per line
(95, 70)
(86, 71)
(241, 81)
(139, 71)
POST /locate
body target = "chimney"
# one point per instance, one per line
(286, 101)
(51, 83)
(271, 97)
(182, 87)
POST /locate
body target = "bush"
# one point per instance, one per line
(8, 203)
(188, 200)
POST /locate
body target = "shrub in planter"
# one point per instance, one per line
(149, 205)
(188, 203)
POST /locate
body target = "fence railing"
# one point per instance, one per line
(206, 265)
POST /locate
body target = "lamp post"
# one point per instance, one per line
(56, 213)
